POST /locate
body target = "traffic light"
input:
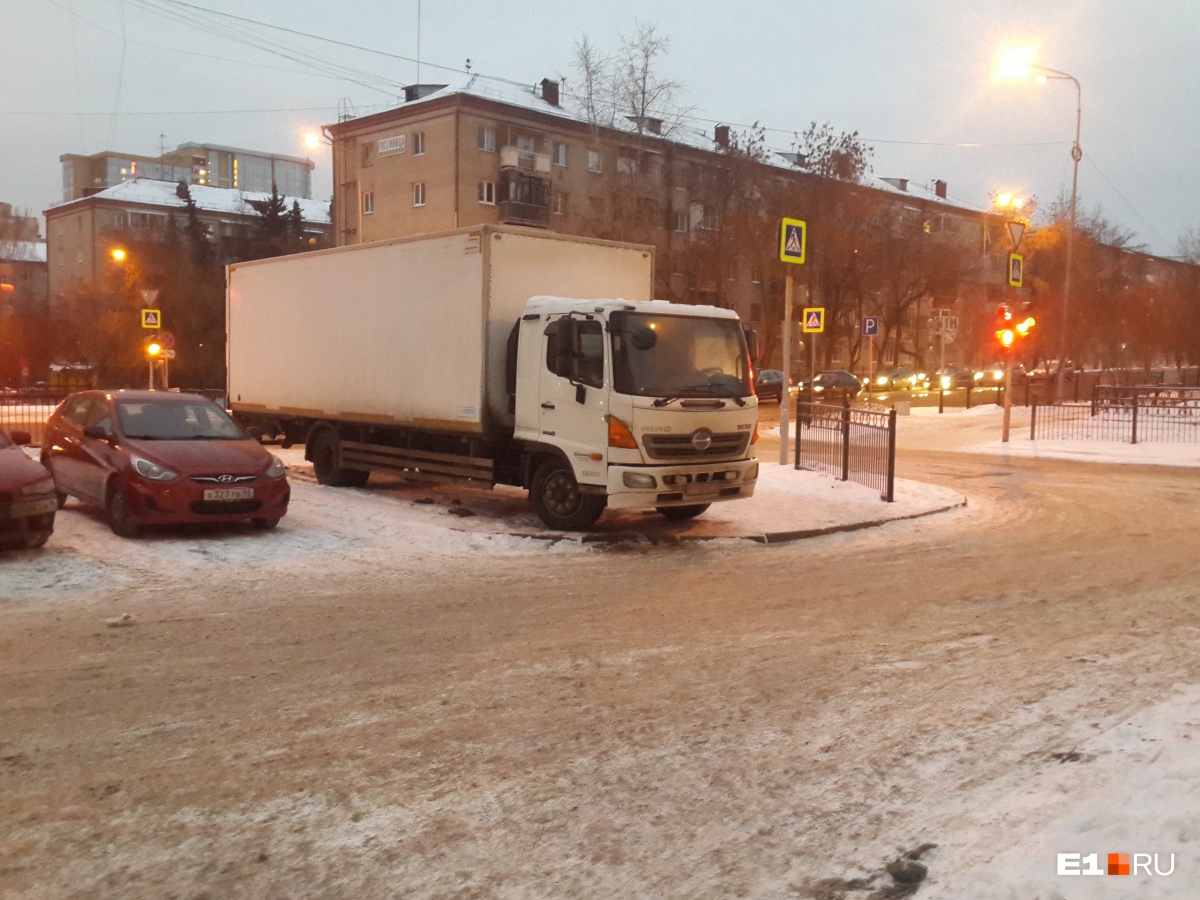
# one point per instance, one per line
(153, 348)
(1010, 331)
(1006, 333)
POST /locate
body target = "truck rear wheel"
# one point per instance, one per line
(558, 501)
(325, 453)
(683, 513)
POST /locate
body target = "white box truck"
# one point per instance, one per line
(497, 355)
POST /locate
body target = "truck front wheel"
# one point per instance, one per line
(558, 501)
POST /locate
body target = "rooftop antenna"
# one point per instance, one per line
(468, 65)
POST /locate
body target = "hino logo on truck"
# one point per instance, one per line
(702, 439)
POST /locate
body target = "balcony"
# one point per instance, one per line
(525, 160)
(515, 212)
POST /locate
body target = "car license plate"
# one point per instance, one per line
(229, 494)
(703, 489)
(35, 507)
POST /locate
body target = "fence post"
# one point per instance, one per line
(1033, 420)
(968, 396)
(891, 460)
(846, 440)
(799, 404)
(1135, 410)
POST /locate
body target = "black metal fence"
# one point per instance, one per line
(1127, 414)
(27, 411)
(851, 444)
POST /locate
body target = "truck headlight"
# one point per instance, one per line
(751, 474)
(639, 480)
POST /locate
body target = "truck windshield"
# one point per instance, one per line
(678, 356)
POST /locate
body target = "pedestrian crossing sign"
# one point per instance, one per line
(814, 319)
(151, 318)
(793, 241)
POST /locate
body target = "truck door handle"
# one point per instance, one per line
(547, 406)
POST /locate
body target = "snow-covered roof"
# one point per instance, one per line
(230, 201)
(23, 251)
(529, 97)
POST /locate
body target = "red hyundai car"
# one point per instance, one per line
(154, 458)
(27, 501)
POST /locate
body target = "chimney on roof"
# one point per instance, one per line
(898, 183)
(420, 91)
(721, 136)
(550, 91)
(939, 188)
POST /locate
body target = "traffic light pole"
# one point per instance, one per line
(1007, 396)
(786, 393)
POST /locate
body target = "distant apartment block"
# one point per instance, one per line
(201, 164)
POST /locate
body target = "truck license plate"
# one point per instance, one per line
(229, 494)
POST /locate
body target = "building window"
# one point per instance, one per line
(681, 222)
(627, 161)
(368, 154)
(392, 146)
(560, 155)
(418, 193)
(486, 138)
(561, 203)
(486, 191)
(418, 143)
(595, 161)
(756, 273)
(368, 202)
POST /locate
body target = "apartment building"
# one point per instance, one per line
(209, 165)
(81, 234)
(484, 150)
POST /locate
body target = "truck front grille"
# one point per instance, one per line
(680, 446)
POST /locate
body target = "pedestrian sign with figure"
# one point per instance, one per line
(1016, 270)
(151, 318)
(793, 241)
(814, 319)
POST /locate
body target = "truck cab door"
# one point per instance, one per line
(573, 392)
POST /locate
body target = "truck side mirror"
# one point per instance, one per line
(580, 393)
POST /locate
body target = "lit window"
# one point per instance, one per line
(368, 202)
(487, 139)
(418, 143)
(486, 191)
(418, 193)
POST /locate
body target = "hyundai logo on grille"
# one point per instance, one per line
(702, 439)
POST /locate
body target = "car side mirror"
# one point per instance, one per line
(95, 431)
(20, 438)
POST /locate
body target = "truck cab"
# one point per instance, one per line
(632, 405)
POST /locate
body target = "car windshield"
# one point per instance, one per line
(679, 356)
(177, 420)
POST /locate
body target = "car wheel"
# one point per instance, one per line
(683, 513)
(558, 501)
(264, 524)
(118, 513)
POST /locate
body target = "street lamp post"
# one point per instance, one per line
(1016, 62)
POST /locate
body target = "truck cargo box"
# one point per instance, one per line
(409, 332)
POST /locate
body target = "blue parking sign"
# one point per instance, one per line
(870, 326)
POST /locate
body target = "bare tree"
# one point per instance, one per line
(824, 152)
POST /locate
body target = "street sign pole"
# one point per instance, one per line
(786, 396)
(1007, 397)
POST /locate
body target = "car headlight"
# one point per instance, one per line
(277, 469)
(45, 486)
(152, 471)
(881, 380)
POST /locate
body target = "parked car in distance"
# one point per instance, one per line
(27, 499)
(768, 384)
(835, 384)
(1049, 371)
(155, 458)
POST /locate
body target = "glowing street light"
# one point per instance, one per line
(118, 254)
(1015, 63)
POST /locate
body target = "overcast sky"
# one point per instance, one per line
(912, 77)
